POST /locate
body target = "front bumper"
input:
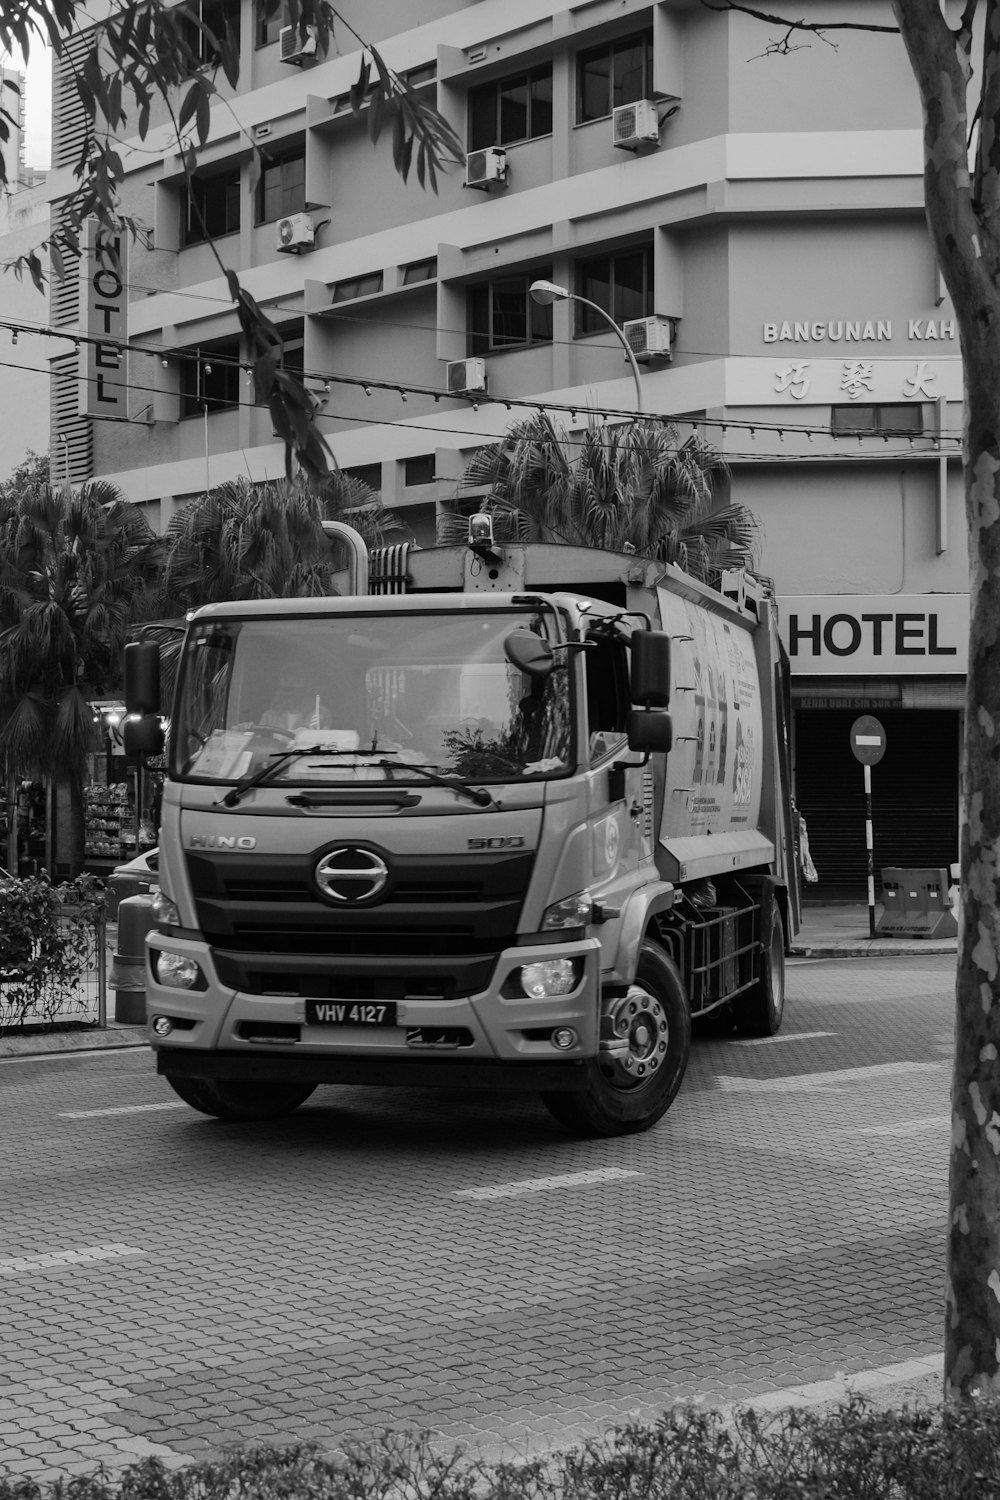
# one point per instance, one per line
(497, 1025)
(456, 1073)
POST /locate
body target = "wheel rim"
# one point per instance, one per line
(635, 1038)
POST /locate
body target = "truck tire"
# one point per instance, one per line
(645, 1041)
(759, 1011)
(229, 1100)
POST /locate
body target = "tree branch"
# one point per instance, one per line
(813, 28)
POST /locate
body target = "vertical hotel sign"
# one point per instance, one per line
(105, 389)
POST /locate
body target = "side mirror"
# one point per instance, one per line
(144, 735)
(529, 653)
(142, 677)
(650, 730)
(650, 681)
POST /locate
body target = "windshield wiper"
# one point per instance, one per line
(259, 778)
(477, 794)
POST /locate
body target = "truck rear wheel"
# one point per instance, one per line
(229, 1100)
(644, 1046)
(759, 1011)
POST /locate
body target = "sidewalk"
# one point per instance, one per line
(842, 930)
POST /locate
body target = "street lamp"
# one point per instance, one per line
(547, 292)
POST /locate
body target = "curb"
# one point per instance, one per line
(870, 948)
(58, 1043)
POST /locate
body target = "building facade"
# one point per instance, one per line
(756, 217)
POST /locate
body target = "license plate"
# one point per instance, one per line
(351, 1012)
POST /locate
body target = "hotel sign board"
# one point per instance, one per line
(875, 635)
(105, 387)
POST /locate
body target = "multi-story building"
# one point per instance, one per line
(24, 221)
(758, 219)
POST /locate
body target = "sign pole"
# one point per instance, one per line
(870, 848)
(868, 747)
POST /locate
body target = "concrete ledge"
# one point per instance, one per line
(89, 1039)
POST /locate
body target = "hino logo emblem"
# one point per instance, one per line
(350, 875)
(221, 841)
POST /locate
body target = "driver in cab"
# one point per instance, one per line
(296, 703)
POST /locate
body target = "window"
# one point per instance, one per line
(369, 474)
(419, 470)
(607, 696)
(282, 186)
(213, 205)
(419, 270)
(503, 316)
(222, 18)
(621, 283)
(511, 109)
(358, 286)
(210, 376)
(617, 73)
(268, 20)
(857, 421)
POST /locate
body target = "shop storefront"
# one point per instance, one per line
(903, 659)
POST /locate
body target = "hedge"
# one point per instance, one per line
(849, 1453)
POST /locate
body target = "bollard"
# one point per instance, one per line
(916, 904)
(128, 968)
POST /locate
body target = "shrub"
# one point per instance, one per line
(46, 945)
(691, 1453)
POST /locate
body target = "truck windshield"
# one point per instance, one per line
(363, 698)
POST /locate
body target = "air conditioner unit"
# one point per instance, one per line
(483, 169)
(649, 338)
(634, 125)
(291, 46)
(465, 376)
(296, 234)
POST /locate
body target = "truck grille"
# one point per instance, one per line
(434, 932)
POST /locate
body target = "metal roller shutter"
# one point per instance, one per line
(914, 796)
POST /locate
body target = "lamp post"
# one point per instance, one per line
(546, 292)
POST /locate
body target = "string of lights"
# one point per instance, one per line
(352, 419)
(368, 384)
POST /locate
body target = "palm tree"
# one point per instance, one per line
(246, 541)
(76, 570)
(631, 487)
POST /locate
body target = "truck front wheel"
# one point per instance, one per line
(228, 1100)
(644, 1046)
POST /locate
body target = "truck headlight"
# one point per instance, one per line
(164, 910)
(572, 911)
(549, 977)
(177, 970)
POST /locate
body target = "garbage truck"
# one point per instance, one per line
(532, 819)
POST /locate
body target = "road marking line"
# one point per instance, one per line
(26, 1263)
(547, 1184)
(769, 1041)
(800, 1083)
(118, 1109)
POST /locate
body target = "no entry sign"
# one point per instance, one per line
(867, 740)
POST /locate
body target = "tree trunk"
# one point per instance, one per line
(964, 218)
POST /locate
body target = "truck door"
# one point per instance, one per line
(622, 834)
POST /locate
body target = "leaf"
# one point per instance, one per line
(359, 88)
(189, 107)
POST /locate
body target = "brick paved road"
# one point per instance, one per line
(171, 1283)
